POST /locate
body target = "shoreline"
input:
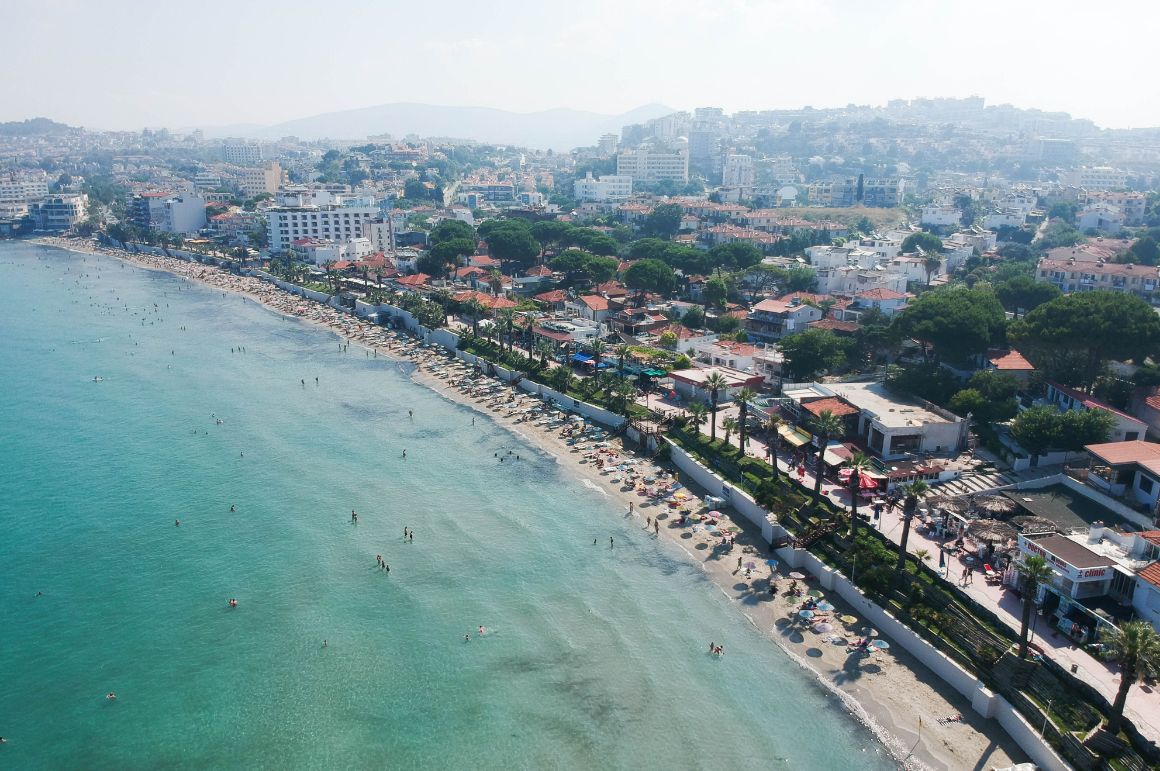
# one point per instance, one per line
(890, 694)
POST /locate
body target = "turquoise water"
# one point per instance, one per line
(595, 657)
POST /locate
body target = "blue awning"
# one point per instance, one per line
(581, 357)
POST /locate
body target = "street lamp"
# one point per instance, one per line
(1046, 715)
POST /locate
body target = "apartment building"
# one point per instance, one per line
(242, 154)
(609, 188)
(268, 178)
(59, 212)
(1072, 275)
(647, 164)
(342, 220)
(23, 186)
(1095, 178)
(738, 171)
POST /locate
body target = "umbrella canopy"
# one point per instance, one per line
(880, 644)
(996, 505)
(825, 607)
(806, 614)
(847, 619)
(947, 503)
(714, 513)
(797, 576)
(991, 530)
(823, 627)
(869, 632)
(751, 565)
(771, 563)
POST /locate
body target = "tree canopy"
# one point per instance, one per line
(1074, 336)
(957, 321)
(928, 242)
(1023, 293)
(734, 256)
(512, 243)
(1040, 429)
(450, 230)
(579, 266)
(650, 276)
(812, 353)
(664, 220)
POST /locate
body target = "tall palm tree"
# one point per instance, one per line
(624, 390)
(545, 349)
(911, 492)
(506, 318)
(698, 412)
(597, 347)
(495, 281)
(931, 263)
(771, 424)
(729, 425)
(859, 463)
(715, 382)
(1136, 646)
(1035, 572)
(825, 425)
(476, 310)
(622, 351)
(745, 398)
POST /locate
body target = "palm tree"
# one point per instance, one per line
(715, 382)
(622, 351)
(379, 278)
(931, 263)
(495, 281)
(909, 506)
(545, 349)
(597, 347)
(624, 390)
(1136, 646)
(858, 463)
(745, 398)
(729, 425)
(1035, 572)
(506, 318)
(825, 425)
(476, 310)
(698, 412)
(771, 424)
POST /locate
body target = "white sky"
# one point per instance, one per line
(124, 64)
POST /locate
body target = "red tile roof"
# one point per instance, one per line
(416, 280)
(1009, 361)
(595, 302)
(839, 407)
(1151, 574)
(880, 293)
(554, 296)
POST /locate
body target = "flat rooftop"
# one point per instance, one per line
(1072, 553)
(892, 411)
(1068, 509)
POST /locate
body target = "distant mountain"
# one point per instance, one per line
(34, 127)
(559, 129)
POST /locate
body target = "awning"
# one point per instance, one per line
(792, 437)
(581, 357)
(654, 372)
(831, 458)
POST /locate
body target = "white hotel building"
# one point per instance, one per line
(332, 218)
(605, 189)
(647, 165)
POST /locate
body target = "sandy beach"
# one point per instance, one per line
(922, 721)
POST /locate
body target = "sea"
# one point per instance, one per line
(130, 399)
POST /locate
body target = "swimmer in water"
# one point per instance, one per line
(177, 523)
(111, 696)
(233, 603)
(466, 638)
(483, 630)
(233, 508)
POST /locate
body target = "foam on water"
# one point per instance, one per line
(597, 656)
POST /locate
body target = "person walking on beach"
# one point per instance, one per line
(738, 564)
(631, 506)
(657, 526)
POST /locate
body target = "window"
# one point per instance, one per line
(1146, 484)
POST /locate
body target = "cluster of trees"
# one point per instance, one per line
(583, 268)
(450, 240)
(957, 322)
(1040, 429)
(552, 234)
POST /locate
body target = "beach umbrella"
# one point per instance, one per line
(771, 563)
(823, 627)
(797, 576)
(714, 513)
(880, 644)
(848, 619)
(869, 632)
(996, 505)
(806, 614)
(815, 593)
(991, 530)
(751, 565)
(825, 607)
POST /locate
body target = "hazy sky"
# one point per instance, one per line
(124, 64)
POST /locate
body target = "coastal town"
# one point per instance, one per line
(896, 370)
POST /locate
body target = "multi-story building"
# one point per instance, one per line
(605, 189)
(242, 154)
(59, 212)
(879, 193)
(647, 164)
(1072, 275)
(492, 191)
(1095, 178)
(268, 178)
(182, 214)
(1100, 216)
(739, 171)
(941, 216)
(772, 319)
(341, 220)
(608, 144)
(1131, 205)
(23, 186)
